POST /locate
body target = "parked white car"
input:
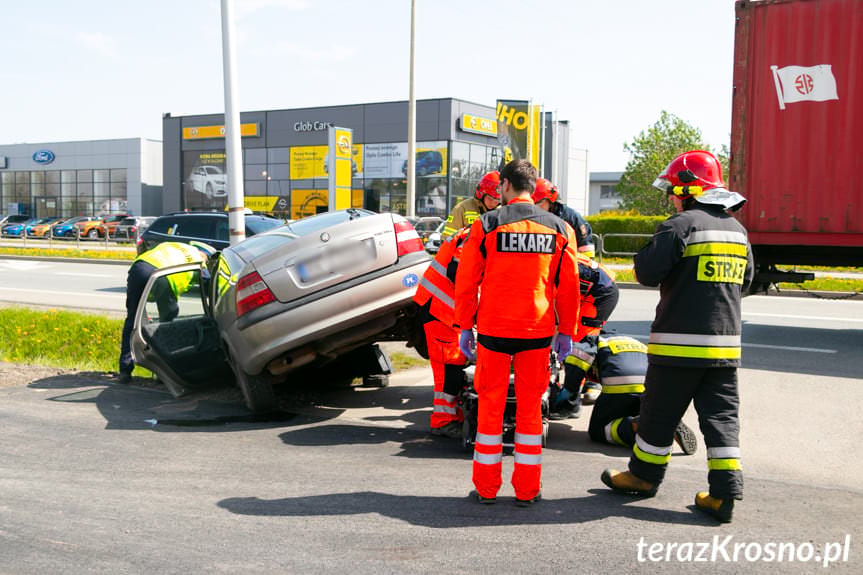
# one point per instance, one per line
(209, 180)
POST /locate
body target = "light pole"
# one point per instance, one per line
(233, 143)
(412, 123)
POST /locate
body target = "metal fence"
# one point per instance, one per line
(600, 239)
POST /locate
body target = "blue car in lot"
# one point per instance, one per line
(16, 230)
(67, 229)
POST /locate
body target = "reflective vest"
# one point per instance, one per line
(462, 216)
(702, 261)
(621, 363)
(169, 254)
(438, 282)
(524, 261)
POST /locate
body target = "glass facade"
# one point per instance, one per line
(291, 182)
(63, 193)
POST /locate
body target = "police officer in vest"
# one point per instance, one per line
(702, 262)
(165, 291)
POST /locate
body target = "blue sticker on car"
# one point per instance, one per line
(410, 280)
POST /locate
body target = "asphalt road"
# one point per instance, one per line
(100, 478)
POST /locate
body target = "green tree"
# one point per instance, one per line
(650, 152)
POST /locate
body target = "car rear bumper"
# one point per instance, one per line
(323, 326)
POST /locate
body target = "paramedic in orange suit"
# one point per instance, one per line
(521, 261)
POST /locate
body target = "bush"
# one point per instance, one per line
(623, 223)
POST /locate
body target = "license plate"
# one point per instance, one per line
(337, 260)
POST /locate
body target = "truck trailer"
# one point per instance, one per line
(797, 128)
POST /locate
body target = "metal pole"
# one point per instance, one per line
(412, 122)
(233, 143)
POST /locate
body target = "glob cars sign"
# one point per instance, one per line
(43, 156)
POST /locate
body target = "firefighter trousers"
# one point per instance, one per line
(491, 383)
(612, 417)
(668, 392)
(447, 363)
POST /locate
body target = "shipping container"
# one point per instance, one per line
(797, 128)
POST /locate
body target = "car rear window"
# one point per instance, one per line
(316, 223)
(260, 225)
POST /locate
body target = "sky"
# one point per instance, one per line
(103, 69)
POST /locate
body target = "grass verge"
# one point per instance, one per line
(58, 338)
(70, 252)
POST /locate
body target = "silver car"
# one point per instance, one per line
(303, 295)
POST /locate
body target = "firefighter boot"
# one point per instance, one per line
(685, 438)
(453, 430)
(721, 509)
(629, 483)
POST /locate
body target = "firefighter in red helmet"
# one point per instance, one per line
(486, 197)
(702, 261)
(545, 196)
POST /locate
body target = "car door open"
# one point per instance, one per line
(174, 335)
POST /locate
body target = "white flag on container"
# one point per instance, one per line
(804, 83)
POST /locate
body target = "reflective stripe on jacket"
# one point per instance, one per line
(524, 260)
(622, 364)
(702, 261)
(438, 282)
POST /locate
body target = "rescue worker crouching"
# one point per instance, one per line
(599, 296)
(166, 290)
(545, 196)
(620, 366)
(436, 297)
(486, 197)
(702, 261)
(521, 261)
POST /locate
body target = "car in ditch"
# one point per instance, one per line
(308, 296)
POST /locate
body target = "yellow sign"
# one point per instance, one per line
(478, 125)
(309, 162)
(533, 135)
(343, 144)
(206, 132)
(725, 269)
(305, 203)
(260, 203)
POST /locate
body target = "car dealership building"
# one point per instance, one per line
(81, 178)
(285, 156)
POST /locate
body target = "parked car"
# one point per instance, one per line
(129, 228)
(296, 297)
(16, 229)
(14, 219)
(99, 228)
(208, 227)
(426, 225)
(69, 229)
(41, 227)
(433, 241)
(208, 180)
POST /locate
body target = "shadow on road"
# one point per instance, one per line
(460, 512)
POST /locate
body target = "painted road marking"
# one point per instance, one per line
(806, 317)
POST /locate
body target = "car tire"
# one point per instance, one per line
(93, 234)
(257, 391)
(376, 380)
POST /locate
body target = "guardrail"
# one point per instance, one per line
(600, 240)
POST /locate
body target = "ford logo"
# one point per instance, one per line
(43, 157)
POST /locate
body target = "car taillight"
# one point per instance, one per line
(407, 238)
(252, 293)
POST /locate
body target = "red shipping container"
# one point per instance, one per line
(797, 126)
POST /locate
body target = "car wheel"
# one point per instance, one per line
(376, 380)
(257, 391)
(208, 191)
(93, 234)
